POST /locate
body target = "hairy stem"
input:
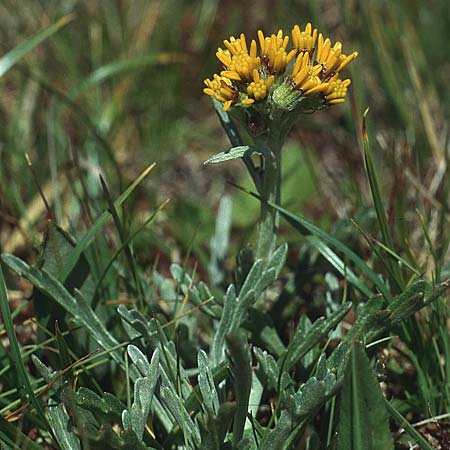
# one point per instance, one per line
(270, 190)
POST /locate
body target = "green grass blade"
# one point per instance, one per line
(16, 355)
(16, 54)
(124, 66)
(378, 203)
(15, 352)
(96, 226)
(128, 250)
(11, 435)
(374, 244)
(339, 265)
(413, 433)
(77, 306)
(80, 113)
(121, 248)
(305, 228)
(398, 258)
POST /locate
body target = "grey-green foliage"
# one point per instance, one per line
(268, 365)
(305, 341)
(241, 366)
(47, 373)
(175, 405)
(206, 384)
(106, 407)
(144, 387)
(219, 242)
(166, 289)
(236, 305)
(233, 153)
(56, 412)
(174, 392)
(136, 325)
(76, 304)
(374, 318)
(299, 405)
(59, 421)
(170, 370)
(224, 326)
(85, 416)
(96, 415)
(198, 294)
(201, 417)
(417, 295)
(308, 335)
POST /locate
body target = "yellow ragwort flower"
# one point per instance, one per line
(344, 60)
(259, 87)
(221, 89)
(273, 52)
(336, 90)
(280, 76)
(238, 62)
(305, 76)
(331, 58)
(305, 40)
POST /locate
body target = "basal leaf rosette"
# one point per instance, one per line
(274, 79)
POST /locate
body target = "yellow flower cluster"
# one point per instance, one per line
(311, 67)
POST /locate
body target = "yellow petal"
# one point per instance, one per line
(243, 43)
(226, 105)
(261, 39)
(231, 74)
(319, 88)
(337, 101)
(253, 49)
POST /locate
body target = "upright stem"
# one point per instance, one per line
(270, 190)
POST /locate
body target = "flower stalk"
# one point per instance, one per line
(266, 91)
(270, 191)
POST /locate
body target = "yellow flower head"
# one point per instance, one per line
(344, 60)
(279, 77)
(222, 89)
(305, 77)
(238, 62)
(336, 90)
(318, 63)
(273, 52)
(305, 40)
(259, 87)
(331, 58)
